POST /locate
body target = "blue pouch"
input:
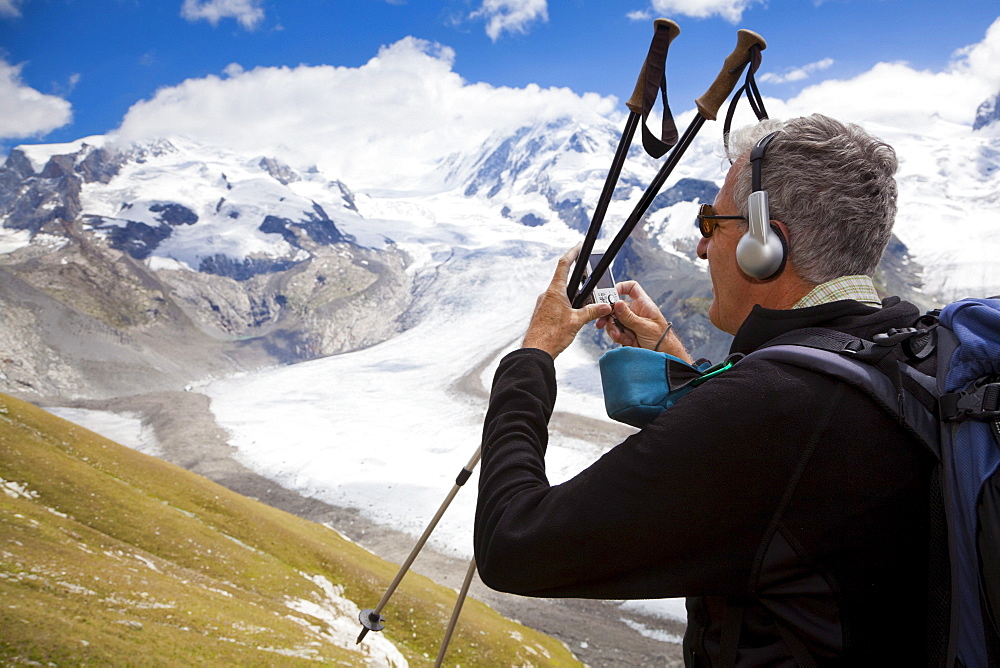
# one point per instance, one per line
(640, 384)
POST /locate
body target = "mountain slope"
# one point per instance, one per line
(109, 555)
(150, 266)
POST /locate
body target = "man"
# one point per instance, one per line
(785, 505)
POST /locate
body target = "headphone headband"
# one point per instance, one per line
(756, 157)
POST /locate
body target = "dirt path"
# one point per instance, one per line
(189, 436)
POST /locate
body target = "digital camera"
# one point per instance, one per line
(605, 291)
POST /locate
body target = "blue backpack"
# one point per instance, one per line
(941, 380)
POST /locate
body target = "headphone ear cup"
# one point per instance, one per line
(763, 259)
(784, 250)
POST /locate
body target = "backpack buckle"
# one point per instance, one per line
(894, 336)
(981, 401)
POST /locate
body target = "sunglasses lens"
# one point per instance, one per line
(706, 225)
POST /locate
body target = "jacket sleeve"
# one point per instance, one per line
(678, 509)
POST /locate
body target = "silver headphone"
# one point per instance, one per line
(762, 251)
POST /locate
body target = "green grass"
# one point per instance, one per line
(112, 557)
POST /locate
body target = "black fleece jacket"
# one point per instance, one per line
(769, 488)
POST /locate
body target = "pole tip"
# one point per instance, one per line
(371, 621)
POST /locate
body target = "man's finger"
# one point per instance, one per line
(626, 288)
(635, 292)
(561, 275)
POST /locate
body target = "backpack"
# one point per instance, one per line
(955, 412)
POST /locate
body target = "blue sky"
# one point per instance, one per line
(103, 56)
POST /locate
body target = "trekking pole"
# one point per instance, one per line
(455, 612)
(748, 47)
(652, 78)
(372, 619)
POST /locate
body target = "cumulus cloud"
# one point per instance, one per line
(896, 94)
(797, 73)
(512, 16)
(396, 117)
(979, 60)
(25, 112)
(247, 12)
(730, 10)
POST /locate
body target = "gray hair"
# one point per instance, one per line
(831, 184)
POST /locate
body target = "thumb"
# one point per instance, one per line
(624, 314)
(595, 311)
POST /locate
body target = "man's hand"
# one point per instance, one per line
(555, 322)
(640, 324)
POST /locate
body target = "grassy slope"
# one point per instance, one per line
(109, 556)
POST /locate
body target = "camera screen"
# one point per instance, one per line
(606, 280)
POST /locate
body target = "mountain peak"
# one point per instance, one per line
(987, 113)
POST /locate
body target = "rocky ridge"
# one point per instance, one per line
(90, 311)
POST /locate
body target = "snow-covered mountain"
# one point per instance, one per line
(149, 266)
(206, 258)
(987, 113)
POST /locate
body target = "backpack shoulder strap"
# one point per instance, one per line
(856, 362)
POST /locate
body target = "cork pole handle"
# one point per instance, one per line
(709, 103)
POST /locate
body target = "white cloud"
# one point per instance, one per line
(980, 60)
(639, 15)
(730, 10)
(247, 12)
(393, 119)
(10, 8)
(512, 16)
(24, 112)
(897, 95)
(797, 73)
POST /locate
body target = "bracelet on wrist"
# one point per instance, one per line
(666, 331)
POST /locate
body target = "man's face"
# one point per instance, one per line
(731, 288)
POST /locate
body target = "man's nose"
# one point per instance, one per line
(703, 248)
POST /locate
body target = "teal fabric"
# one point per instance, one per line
(640, 384)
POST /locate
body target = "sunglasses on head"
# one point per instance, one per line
(708, 220)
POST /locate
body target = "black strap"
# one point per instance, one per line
(988, 544)
(752, 92)
(938, 576)
(655, 80)
(732, 624)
